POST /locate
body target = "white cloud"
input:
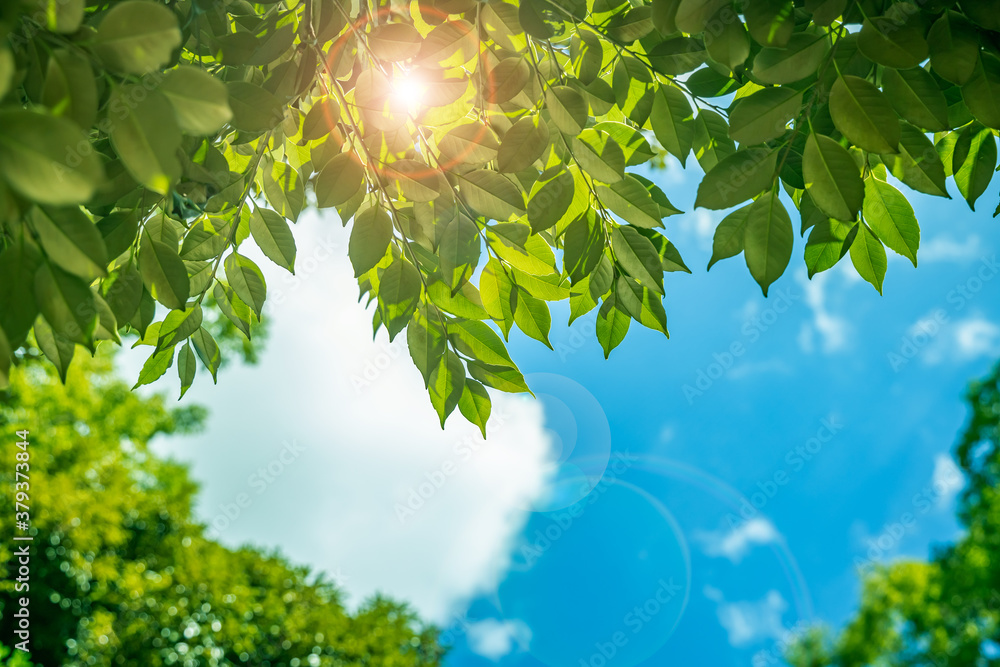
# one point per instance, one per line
(831, 329)
(495, 639)
(735, 543)
(748, 622)
(698, 225)
(947, 480)
(977, 337)
(964, 340)
(947, 249)
(370, 441)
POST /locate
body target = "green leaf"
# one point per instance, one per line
(479, 341)
(631, 25)
(273, 237)
(770, 22)
(864, 115)
(156, 365)
(186, 368)
(398, 295)
(975, 159)
(69, 89)
(549, 200)
(868, 257)
(163, 272)
(768, 239)
(612, 325)
(917, 164)
(916, 98)
(891, 217)
(498, 377)
(474, 404)
(55, 347)
(634, 146)
(632, 85)
(71, 240)
(178, 326)
(506, 81)
(893, 43)
(469, 143)
(711, 139)
(532, 316)
(954, 47)
(206, 239)
(599, 155)
(638, 257)
(497, 290)
(247, 280)
(583, 246)
(982, 92)
(254, 108)
(490, 194)
(339, 180)
(728, 239)
(801, 58)
(531, 254)
(677, 55)
(826, 245)
(525, 142)
(673, 121)
(426, 340)
(568, 109)
(145, 135)
(459, 250)
(466, 302)
(200, 101)
(321, 119)
(283, 187)
(728, 43)
(644, 305)
(744, 174)
(18, 309)
(763, 115)
(67, 304)
(395, 41)
(670, 256)
(832, 178)
(7, 67)
(47, 159)
(137, 37)
(630, 200)
(208, 351)
(233, 307)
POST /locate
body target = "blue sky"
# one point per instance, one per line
(619, 519)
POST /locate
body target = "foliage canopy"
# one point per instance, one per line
(122, 573)
(488, 154)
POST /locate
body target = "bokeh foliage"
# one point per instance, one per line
(121, 572)
(488, 154)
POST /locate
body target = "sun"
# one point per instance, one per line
(409, 91)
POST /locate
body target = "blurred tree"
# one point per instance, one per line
(488, 155)
(945, 612)
(122, 573)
